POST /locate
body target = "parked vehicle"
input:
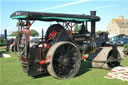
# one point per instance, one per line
(2, 40)
(34, 40)
(122, 41)
(118, 42)
(10, 44)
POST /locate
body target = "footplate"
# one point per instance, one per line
(34, 67)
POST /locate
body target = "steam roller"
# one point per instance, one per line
(105, 58)
(60, 51)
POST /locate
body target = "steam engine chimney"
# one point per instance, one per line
(93, 13)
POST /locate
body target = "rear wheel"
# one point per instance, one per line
(65, 60)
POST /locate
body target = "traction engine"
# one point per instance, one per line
(60, 51)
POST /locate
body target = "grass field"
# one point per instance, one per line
(11, 74)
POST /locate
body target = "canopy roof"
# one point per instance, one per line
(42, 16)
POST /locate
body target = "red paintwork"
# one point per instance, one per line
(70, 32)
(25, 59)
(12, 43)
(52, 34)
(48, 45)
(83, 57)
(44, 61)
(20, 58)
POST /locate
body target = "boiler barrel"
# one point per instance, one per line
(88, 47)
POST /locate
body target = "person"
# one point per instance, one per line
(9, 42)
(125, 51)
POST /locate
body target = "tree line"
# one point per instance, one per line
(35, 33)
(78, 27)
(32, 33)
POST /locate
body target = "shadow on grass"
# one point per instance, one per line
(85, 67)
(41, 75)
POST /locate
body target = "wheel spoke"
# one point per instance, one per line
(60, 51)
(70, 66)
(73, 58)
(67, 70)
(65, 61)
(63, 48)
(56, 60)
(55, 66)
(60, 72)
(68, 51)
(64, 72)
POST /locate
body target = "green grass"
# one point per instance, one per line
(11, 74)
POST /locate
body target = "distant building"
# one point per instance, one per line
(118, 26)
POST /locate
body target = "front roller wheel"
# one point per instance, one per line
(65, 60)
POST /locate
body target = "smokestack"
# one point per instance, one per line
(93, 13)
(5, 32)
(93, 25)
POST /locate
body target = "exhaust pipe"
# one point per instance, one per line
(93, 13)
(93, 25)
(5, 32)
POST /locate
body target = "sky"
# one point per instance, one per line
(106, 10)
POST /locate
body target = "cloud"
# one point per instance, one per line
(67, 4)
(105, 6)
